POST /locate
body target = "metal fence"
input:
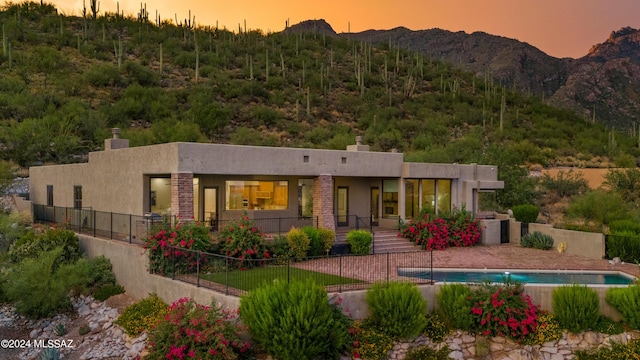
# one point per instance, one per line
(233, 276)
(109, 225)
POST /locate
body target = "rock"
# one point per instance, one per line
(520, 355)
(457, 355)
(495, 346)
(550, 350)
(592, 338)
(466, 338)
(34, 333)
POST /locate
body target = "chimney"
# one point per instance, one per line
(115, 142)
(358, 146)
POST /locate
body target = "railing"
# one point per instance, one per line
(233, 276)
(273, 226)
(109, 225)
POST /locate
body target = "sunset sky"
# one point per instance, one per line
(561, 28)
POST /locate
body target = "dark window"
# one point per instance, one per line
(77, 197)
(49, 195)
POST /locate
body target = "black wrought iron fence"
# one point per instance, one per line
(233, 276)
(273, 226)
(109, 225)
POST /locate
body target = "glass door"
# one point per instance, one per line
(211, 207)
(343, 206)
(375, 205)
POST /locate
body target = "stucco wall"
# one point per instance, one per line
(130, 268)
(590, 245)
(490, 232)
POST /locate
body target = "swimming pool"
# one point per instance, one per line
(523, 276)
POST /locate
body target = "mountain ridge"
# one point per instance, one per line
(565, 82)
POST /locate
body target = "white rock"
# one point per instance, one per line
(550, 349)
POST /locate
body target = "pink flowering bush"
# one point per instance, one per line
(193, 331)
(173, 248)
(241, 239)
(503, 311)
(457, 229)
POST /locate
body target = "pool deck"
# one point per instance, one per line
(510, 256)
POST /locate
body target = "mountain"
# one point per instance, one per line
(604, 85)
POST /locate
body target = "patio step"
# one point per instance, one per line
(389, 242)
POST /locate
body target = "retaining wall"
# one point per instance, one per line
(130, 268)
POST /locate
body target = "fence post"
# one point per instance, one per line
(130, 229)
(340, 286)
(431, 267)
(94, 223)
(288, 270)
(388, 267)
(198, 268)
(111, 226)
(226, 259)
(279, 226)
(173, 259)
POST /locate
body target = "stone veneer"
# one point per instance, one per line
(323, 201)
(182, 195)
(465, 346)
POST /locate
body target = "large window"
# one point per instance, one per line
(305, 198)
(411, 198)
(196, 199)
(257, 195)
(444, 195)
(160, 195)
(389, 198)
(49, 195)
(77, 197)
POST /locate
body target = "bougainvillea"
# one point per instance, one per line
(173, 249)
(458, 229)
(193, 331)
(504, 311)
(241, 239)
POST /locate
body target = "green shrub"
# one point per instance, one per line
(616, 352)
(576, 307)
(298, 243)
(106, 291)
(436, 329)
(327, 237)
(359, 242)
(625, 245)
(61, 330)
(142, 315)
(427, 353)
(294, 321)
(624, 226)
(370, 342)
(565, 184)
(599, 207)
(316, 248)
(84, 330)
(607, 326)
(14, 226)
(49, 354)
(397, 308)
(454, 306)
(33, 245)
(34, 287)
(537, 240)
(627, 301)
(526, 213)
(190, 330)
(278, 248)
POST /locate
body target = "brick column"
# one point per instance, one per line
(182, 195)
(323, 201)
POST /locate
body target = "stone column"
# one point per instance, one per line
(182, 195)
(323, 201)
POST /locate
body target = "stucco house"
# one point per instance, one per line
(213, 182)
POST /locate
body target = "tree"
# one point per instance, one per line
(626, 183)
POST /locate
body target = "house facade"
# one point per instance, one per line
(212, 182)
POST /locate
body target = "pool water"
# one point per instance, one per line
(525, 277)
